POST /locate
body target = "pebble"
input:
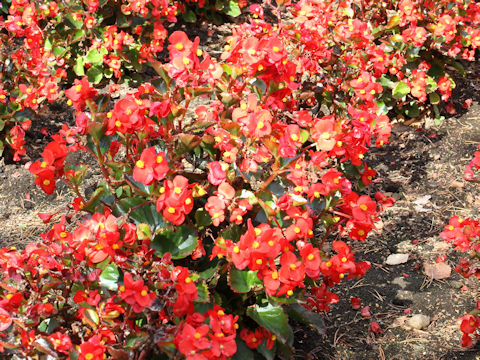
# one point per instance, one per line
(405, 246)
(400, 281)
(419, 321)
(404, 295)
(396, 259)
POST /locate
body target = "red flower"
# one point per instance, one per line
(324, 133)
(179, 44)
(61, 342)
(364, 209)
(469, 323)
(192, 339)
(252, 338)
(79, 93)
(175, 200)
(93, 349)
(5, 319)
(151, 166)
(136, 293)
(216, 173)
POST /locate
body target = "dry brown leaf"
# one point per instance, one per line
(438, 271)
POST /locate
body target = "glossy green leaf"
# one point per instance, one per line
(202, 217)
(95, 74)
(179, 242)
(59, 51)
(189, 16)
(243, 351)
(401, 90)
(79, 35)
(140, 211)
(302, 314)
(272, 318)
(91, 317)
(109, 277)
(386, 82)
(434, 98)
(78, 67)
(103, 145)
(233, 232)
(138, 339)
(203, 293)
(411, 110)
(232, 8)
(242, 281)
(267, 354)
(94, 57)
(147, 189)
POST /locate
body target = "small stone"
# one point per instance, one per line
(404, 295)
(419, 321)
(405, 246)
(396, 259)
(400, 281)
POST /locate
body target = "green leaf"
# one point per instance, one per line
(186, 143)
(59, 51)
(267, 354)
(436, 71)
(109, 277)
(203, 293)
(48, 44)
(148, 189)
(94, 57)
(232, 9)
(386, 82)
(202, 217)
(401, 90)
(242, 281)
(78, 67)
(137, 339)
(179, 242)
(95, 74)
(219, 5)
(26, 114)
(144, 212)
(434, 98)
(272, 318)
(243, 351)
(122, 21)
(300, 313)
(189, 16)
(79, 34)
(104, 144)
(233, 233)
(457, 66)
(91, 317)
(411, 110)
(260, 84)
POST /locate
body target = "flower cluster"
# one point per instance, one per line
(223, 177)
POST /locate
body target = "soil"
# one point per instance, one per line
(422, 169)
